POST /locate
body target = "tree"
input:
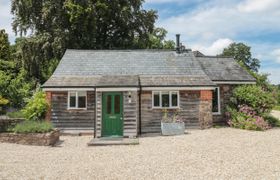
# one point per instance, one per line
(89, 24)
(242, 54)
(4, 45)
(157, 40)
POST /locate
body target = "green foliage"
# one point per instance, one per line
(255, 97)
(77, 25)
(245, 118)
(33, 127)
(15, 89)
(157, 40)
(277, 108)
(4, 45)
(36, 107)
(273, 121)
(15, 114)
(242, 54)
(3, 102)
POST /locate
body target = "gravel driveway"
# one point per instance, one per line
(223, 153)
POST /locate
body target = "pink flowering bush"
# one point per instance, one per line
(246, 118)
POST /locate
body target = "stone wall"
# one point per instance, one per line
(9, 122)
(225, 94)
(38, 139)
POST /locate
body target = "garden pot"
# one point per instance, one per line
(169, 129)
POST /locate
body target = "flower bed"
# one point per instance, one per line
(38, 139)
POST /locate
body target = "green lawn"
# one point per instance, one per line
(277, 108)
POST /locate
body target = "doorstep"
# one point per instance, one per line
(107, 141)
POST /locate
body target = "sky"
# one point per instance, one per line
(211, 25)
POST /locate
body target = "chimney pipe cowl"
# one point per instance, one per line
(178, 46)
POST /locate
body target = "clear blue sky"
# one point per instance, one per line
(211, 25)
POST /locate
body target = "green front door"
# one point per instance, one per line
(112, 114)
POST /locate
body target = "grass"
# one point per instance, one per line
(33, 127)
(15, 114)
(277, 108)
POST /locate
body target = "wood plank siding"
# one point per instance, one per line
(189, 110)
(63, 118)
(130, 113)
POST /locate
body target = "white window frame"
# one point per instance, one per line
(170, 100)
(219, 102)
(77, 97)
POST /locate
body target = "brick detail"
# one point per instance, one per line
(49, 99)
(205, 95)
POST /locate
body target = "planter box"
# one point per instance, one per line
(168, 129)
(38, 139)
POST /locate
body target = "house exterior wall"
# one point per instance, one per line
(195, 110)
(226, 91)
(130, 114)
(63, 118)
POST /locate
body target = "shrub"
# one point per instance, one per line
(254, 96)
(15, 114)
(3, 102)
(33, 127)
(246, 118)
(273, 121)
(36, 107)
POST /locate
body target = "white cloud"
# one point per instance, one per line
(276, 55)
(164, 1)
(215, 48)
(274, 72)
(258, 5)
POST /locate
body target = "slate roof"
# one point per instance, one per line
(224, 69)
(131, 68)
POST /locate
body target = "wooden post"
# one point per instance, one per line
(49, 99)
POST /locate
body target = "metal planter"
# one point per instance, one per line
(169, 129)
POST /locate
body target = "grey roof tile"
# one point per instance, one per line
(223, 69)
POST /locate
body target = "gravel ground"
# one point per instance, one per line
(223, 153)
(275, 114)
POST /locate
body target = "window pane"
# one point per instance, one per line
(156, 99)
(117, 104)
(165, 99)
(82, 93)
(215, 107)
(81, 101)
(108, 104)
(72, 101)
(174, 98)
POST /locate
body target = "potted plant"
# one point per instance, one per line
(172, 123)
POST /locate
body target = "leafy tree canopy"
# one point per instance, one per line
(242, 54)
(4, 45)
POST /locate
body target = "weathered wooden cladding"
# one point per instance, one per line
(64, 118)
(151, 118)
(130, 113)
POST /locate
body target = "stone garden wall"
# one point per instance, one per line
(38, 139)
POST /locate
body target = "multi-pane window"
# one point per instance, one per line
(216, 101)
(77, 99)
(165, 99)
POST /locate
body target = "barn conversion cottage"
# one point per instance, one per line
(123, 92)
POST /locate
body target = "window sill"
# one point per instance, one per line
(161, 108)
(76, 109)
(216, 113)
